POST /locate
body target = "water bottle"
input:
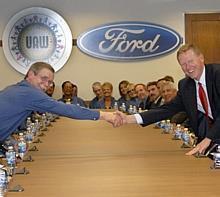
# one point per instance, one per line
(28, 122)
(134, 109)
(37, 127)
(178, 132)
(186, 136)
(123, 107)
(3, 181)
(11, 157)
(139, 110)
(50, 117)
(22, 146)
(130, 109)
(162, 124)
(157, 125)
(116, 105)
(29, 135)
(167, 127)
(43, 121)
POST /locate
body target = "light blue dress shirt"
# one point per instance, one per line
(18, 101)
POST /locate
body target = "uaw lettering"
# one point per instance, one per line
(36, 37)
(129, 41)
(34, 34)
(38, 42)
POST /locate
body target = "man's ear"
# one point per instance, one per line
(30, 74)
(202, 58)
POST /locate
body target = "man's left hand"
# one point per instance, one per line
(201, 147)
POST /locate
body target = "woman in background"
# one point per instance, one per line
(108, 100)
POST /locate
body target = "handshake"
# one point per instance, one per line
(117, 118)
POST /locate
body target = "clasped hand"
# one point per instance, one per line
(115, 118)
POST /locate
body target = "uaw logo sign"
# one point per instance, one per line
(37, 34)
(129, 41)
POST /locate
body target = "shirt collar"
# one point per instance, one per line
(202, 78)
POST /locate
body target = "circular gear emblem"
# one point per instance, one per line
(37, 34)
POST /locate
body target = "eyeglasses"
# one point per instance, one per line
(46, 80)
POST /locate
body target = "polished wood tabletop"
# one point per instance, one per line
(93, 159)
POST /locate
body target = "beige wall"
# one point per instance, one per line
(83, 14)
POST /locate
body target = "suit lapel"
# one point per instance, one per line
(209, 85)
(192, 103)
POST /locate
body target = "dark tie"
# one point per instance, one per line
(141, 105)
(203, 99)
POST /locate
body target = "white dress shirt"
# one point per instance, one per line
(199, 104)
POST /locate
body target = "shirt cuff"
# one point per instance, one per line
(96, 115)
(138, 118)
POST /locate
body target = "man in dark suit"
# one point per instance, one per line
(205, 122)
(155, 97)
(142, 95)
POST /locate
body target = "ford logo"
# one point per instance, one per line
(129, 41)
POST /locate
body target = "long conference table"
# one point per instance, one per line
(92, 159)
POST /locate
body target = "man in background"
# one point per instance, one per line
(97, 90)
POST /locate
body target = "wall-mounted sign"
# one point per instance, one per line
(128, 41)
(37, 34)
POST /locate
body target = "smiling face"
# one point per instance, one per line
(141, 91)
(192, 63)
(97, 89)
(50, 90)
(42, 79)
(131, 91)
(107, 89)
(168, 92)
(67, 89)
(153, 92)
(123, 88)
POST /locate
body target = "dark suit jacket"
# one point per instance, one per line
(156, 104)
(186, 101)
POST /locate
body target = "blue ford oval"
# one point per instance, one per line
(128, 41)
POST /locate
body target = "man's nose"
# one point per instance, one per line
(188, 66)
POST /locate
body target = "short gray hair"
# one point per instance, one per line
(37, 66)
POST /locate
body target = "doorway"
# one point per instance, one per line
(203, 30)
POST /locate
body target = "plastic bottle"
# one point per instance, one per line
(29, 135)
(139, 110)
(28, 122)
(162, 124)
(167, 126)
(44, 120)
(130, 109)
(178, 132)
(123, 107)
(186, 136)
(11, 157)
(116, 105)
(134, 109)
(3, 181)
(22, 146)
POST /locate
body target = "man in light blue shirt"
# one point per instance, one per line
(18, 101)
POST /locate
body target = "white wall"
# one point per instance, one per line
(83, 14)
